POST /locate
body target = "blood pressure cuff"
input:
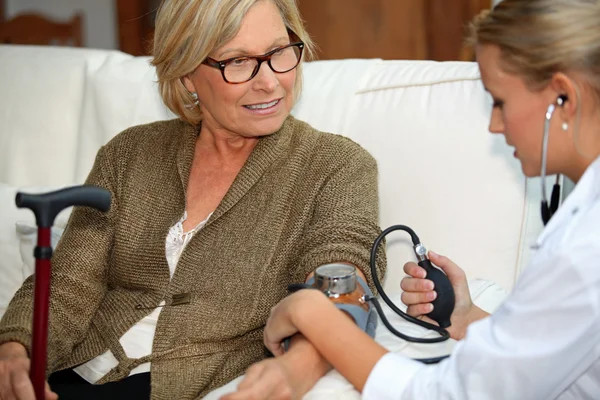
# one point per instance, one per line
(366, 320)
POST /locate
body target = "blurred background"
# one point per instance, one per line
(388, 29)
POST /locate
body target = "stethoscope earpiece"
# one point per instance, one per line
(548, 210)
(562, 99)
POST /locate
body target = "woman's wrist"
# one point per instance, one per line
(12, 349)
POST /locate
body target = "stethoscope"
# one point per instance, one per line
(548, 210)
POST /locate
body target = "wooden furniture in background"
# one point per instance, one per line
(135, 22)
(450, 20)
(37, 29)
(388, 29)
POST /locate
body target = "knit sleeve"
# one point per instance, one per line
(78, 278)
(345, 224)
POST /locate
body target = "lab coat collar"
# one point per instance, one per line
(585, 192)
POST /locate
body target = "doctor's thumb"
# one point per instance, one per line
(454, 272)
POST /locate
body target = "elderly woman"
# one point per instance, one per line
(213, 215)
(540, 61)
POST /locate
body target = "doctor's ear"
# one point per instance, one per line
(566, 91)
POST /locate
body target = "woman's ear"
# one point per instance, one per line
(189, 85)
(564, 87)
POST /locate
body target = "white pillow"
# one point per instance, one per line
(10, 260)
(27, 234)
(12, 268)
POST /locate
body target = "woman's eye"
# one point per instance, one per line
(498, 103)
(239, 62)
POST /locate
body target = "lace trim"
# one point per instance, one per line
(177, 239)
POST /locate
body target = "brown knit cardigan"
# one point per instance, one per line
(303, 198)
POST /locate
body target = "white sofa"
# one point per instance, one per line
(441, 172)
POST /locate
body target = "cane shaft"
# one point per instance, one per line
(41, 301)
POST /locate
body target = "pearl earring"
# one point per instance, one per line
(565, 126)
(196, 101)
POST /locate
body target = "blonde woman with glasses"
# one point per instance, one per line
(214, 214)
(540, 61)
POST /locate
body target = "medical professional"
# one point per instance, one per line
(540, 61)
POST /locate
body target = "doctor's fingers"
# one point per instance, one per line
(412, 298)
(413, 269)
(409, 284)
(275, 346)
(420, 310)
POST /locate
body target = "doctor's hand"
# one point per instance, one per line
(419, 293)
(283, 321)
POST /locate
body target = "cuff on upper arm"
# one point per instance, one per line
(365, 320)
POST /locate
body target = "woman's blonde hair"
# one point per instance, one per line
(187, 31)
(538, 38)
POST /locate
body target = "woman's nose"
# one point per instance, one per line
(266, 78)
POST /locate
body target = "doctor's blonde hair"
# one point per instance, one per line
(187, 31)
(538, 38)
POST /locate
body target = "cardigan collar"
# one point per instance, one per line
(263, 155)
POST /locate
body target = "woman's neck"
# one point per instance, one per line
(224, 144)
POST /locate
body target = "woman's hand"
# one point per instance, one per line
(268, 379)
(281, 323)
(419, 293)
(14, 374)
(291, 374)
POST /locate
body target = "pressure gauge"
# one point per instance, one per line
(335, 279)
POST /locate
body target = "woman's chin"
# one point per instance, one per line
(266, 127)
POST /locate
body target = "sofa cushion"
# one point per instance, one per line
(61, 104)
(440, 170)
(10, 259)
(27, 234)
(18, 236)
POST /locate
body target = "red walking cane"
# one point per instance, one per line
(46, 207)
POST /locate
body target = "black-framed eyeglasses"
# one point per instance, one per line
(242, 69)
